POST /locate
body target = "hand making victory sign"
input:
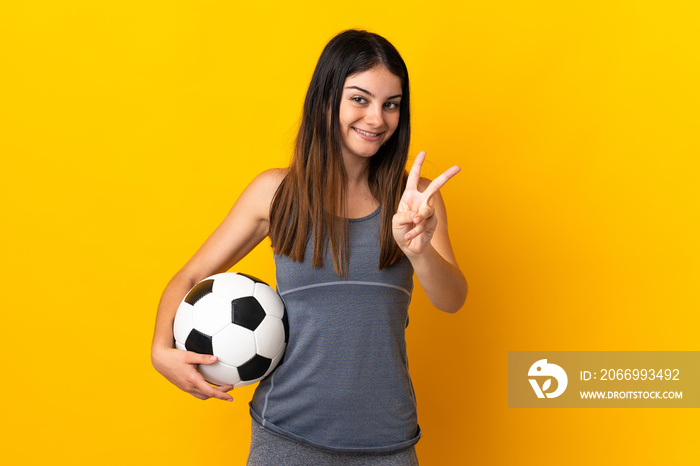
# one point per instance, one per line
(415, 221)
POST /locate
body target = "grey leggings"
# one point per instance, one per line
(268, 449)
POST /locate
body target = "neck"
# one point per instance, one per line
(357, 170)
(360, 201)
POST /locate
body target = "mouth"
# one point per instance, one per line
(367, 134)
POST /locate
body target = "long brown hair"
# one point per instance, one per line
(312, 196)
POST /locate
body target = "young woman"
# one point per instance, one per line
(349, 228)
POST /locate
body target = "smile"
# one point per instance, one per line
(366, 133)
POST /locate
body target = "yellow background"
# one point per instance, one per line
(127, 130)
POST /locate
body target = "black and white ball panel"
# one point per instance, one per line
(247, 312)
(199, 342)
(200, 290)
(216, 314)
(269, 300)
(270, 337)
(238, 318)
(233, 285)
(234, 345)
(221, 374)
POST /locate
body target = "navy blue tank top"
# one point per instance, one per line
(344, 384)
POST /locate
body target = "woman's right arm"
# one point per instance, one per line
(244, 227)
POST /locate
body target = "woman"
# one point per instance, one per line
(348, 228)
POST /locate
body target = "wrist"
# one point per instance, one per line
(419, 256)
(158, 348)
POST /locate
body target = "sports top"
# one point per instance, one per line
(344, 384)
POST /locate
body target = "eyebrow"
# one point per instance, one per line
(369, 93)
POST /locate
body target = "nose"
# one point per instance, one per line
(374, 116)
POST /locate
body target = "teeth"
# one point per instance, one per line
(366, 133)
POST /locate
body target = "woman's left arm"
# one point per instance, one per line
(420, 229)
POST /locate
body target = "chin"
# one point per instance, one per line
(366, 152)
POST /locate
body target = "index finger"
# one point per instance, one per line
(440, 181)
(414, 174)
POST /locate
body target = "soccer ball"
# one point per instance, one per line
(237, 318)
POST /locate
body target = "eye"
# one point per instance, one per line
(358, 99)
(391, 105)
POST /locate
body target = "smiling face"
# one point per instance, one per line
(369, 112)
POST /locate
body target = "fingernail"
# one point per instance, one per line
(212, 358)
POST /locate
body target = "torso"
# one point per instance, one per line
(344, 383)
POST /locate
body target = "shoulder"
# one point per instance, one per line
(423, 183)
(269, 180)
(257, 197)
(265, 184)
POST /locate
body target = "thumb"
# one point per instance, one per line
(403, 218)
(425, 211)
